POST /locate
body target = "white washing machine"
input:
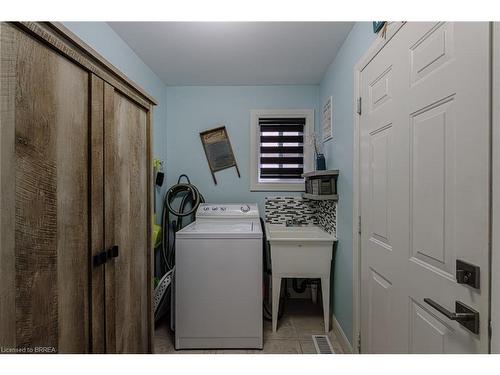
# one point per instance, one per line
(218, 279)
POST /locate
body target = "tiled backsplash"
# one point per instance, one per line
(280, 209)
(327, 215)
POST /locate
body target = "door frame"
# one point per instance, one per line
(495, 190)
(374, 49)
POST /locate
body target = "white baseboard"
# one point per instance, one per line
(344, 342)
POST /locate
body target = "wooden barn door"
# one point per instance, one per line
(126, 184)
(44, 198)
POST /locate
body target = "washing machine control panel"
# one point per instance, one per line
(214, 208)
(227, 210)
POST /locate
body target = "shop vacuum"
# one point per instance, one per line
(179, 207)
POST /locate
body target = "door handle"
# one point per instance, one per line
(103, 256)
(112, 252)
(100, 258)
(464, 315)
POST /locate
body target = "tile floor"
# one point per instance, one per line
(301, 320)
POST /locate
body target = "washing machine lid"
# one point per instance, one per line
(221, 229)
(227, 211)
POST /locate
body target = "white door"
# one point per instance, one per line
(425, 159)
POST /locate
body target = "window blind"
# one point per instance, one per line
(281, 148)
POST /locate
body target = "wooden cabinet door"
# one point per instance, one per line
(127, 216)
(44, 198)
(97, 292)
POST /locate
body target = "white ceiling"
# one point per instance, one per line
(235, 53)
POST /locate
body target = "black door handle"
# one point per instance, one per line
(100, 258)
(113, 251)
(103, 256)
(463, 314)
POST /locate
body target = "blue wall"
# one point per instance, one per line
(192, 109)
(101, 37)
(338, 82)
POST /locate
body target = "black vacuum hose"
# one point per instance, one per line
(190, 196)
(172, 221)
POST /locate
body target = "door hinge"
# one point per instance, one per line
(359, 342)
(358, 106)
(359, 224)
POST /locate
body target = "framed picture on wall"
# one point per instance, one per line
(327, 119)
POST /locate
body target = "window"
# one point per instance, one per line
(280, 149)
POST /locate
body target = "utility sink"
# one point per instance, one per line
(308, 233)
(300, 252)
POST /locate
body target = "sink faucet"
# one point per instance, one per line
(294, 222)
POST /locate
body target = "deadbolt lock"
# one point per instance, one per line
(468, 274)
